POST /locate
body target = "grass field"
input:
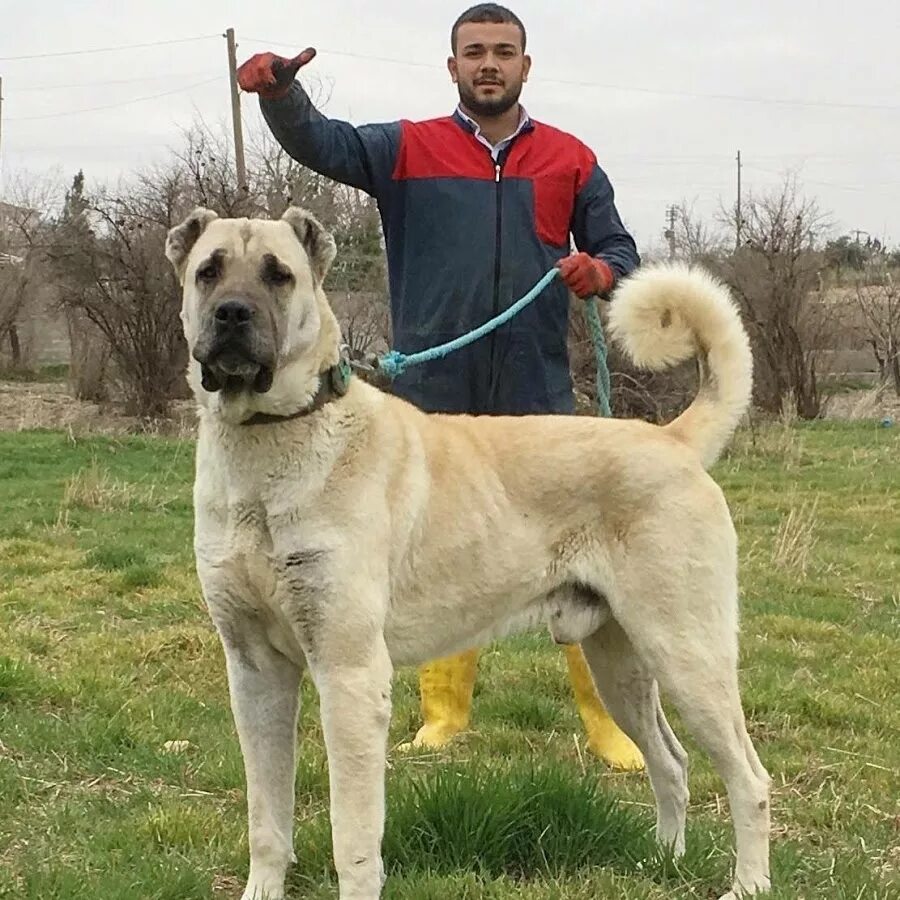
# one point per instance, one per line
(106, 654)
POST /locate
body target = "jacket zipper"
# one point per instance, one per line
(493, 375)
(498, 172)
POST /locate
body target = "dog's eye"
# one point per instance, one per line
(208, 272)
(273, 272)
(279, 276)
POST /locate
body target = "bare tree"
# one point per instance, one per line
(69, 245)
(364, 319)
(108, 253)
(13, 284)
(879, 308)
(775, 277)
(278, 181)
(205, 169)
(23, 223)
(695, 239)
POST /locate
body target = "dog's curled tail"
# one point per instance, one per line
(666, 313)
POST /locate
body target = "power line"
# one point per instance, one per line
(73, 148)
(662, 92)
(842, 187)
(347, 53)
(75, 112)
(700, 159)
(83, 84)
(730, 98)
(202, 37)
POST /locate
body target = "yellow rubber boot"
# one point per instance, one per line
(605, 738)
(446, 688)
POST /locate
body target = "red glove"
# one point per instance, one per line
(586, 275)
(271, 76)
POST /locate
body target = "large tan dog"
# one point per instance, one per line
(342, 529)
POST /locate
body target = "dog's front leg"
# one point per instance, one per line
(355, 699)
(264, 688)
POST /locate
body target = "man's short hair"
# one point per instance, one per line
(487, 12)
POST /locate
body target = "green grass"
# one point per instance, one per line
(40, 375)
(106, 653)
(848, 384)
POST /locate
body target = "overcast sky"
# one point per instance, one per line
(653, 87)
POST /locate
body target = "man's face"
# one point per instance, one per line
(489, 67)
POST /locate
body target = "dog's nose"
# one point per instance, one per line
(233, 314)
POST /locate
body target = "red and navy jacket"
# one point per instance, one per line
(466, 237)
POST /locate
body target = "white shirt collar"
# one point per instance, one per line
(497, 148)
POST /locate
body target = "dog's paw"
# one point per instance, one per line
(257, 890)
(760, 886)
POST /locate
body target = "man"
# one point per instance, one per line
(475, 207)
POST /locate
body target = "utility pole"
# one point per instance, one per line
(236, 113)
(2, 216)
(1, 123)
(671, 212)
(739, 220)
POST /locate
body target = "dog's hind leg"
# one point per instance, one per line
(692, 651)
(630, 694)
(264, 688)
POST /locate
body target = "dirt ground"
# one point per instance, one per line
(30, 405)
(871, 404)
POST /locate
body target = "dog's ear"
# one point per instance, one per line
(316, 240)
(182, 238)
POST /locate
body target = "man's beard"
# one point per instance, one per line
(494, 106)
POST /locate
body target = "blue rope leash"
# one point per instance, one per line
(601, 353)
(394, 363)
